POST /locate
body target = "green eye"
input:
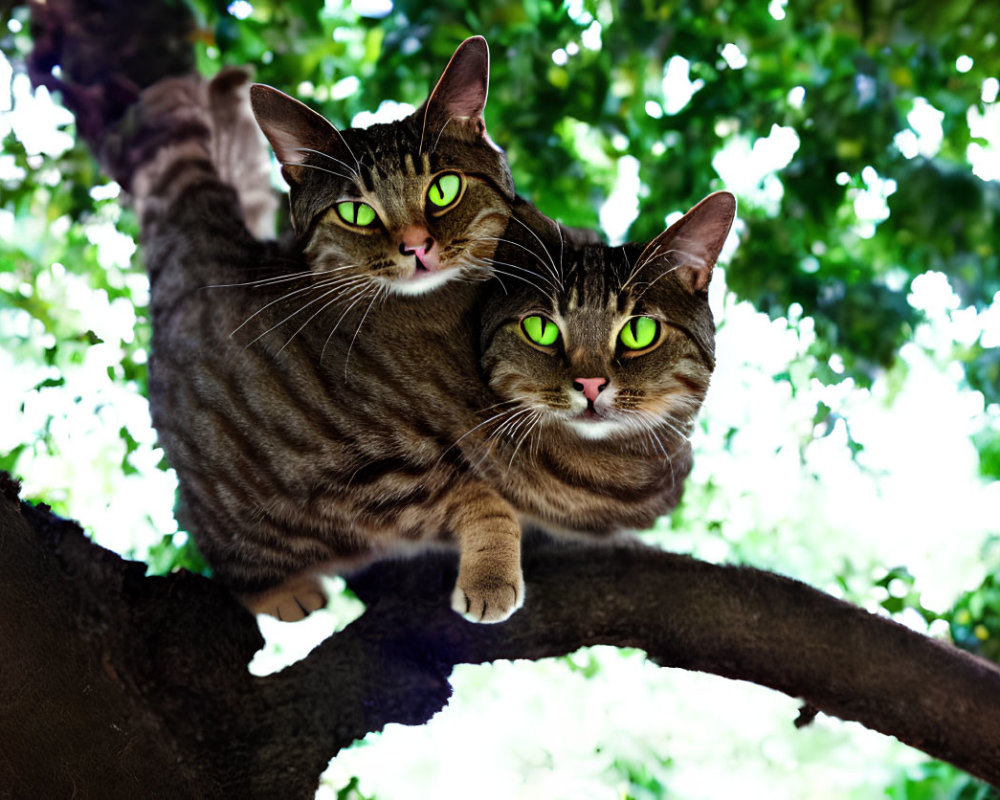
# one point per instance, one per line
(355, 213)
(639, 332)
(444, 189)
(540, 330)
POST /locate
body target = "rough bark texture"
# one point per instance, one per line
(113, 684)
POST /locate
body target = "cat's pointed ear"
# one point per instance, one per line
(292, 128)
(691, 245)
(460, 92)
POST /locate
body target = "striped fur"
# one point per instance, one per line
(308, 433)
(319, 419)
(618, 460)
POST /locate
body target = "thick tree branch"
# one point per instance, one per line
(120, 685)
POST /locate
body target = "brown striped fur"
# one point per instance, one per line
(317, 422)
(306, 445)
(617, 460)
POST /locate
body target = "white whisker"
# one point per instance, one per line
(548, 269)
(322, 169)
(320, 153)
(544, 248)
(347, 359)
(333, 287)
(337, 292)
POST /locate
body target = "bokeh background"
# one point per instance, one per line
(852, 433)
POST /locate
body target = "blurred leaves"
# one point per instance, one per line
(175, 551)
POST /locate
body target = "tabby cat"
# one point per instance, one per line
(328, 407)
(596, 369)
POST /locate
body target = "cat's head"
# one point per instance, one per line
(404, 206)
(604, 341)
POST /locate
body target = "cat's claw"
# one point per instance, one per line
(488, 603)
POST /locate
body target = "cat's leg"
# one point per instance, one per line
(489, 587)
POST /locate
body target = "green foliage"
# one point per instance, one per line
(175, 551)
(938, 781)
(642, 778)
(352, 792)
(975, 620)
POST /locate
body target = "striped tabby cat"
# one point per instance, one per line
(305, 407)
(596, 369)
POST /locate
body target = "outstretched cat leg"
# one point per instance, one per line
(489, 587)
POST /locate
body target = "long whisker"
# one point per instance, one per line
(359, 296)
(334, 288)
(509, 425)
(262, 309)
(262, 281)
(657, 279)
(321, 169)
(320, 153)
(532, 424)
(312, 316)
(652, 437)
(562, 270)
(549, 269)
(357, 163)
(644, 259)
(329, 282)
(275, 279)
(544, 248)
(486, 421)
(478, 265)
(337, 292)
(378, 291)
(533, 273)
(436, 141)
(492, 268)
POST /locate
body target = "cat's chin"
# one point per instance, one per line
(422, 282)
(594, 428)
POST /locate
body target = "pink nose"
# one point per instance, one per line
(418, 242)
(590, 387)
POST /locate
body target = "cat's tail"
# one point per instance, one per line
(188, 131)
(240, 152)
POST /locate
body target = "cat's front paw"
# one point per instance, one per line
(491, 598)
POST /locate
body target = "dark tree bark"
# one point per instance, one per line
(119, 685)
(114, 684)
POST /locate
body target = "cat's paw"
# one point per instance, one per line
(491, 598)
(290, 602)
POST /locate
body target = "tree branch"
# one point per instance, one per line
(126, 685)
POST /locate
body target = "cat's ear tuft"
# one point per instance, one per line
(292, 128)
(460, 92)
(691, 246)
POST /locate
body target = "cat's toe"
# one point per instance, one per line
(288, 603)
(298, 606)
(493, 602)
